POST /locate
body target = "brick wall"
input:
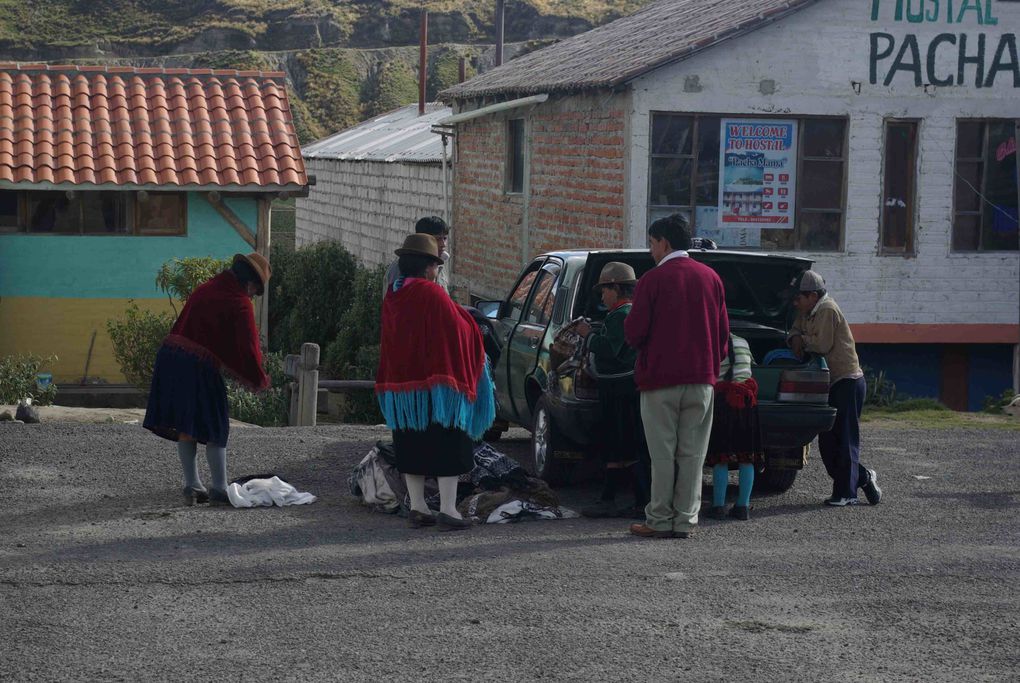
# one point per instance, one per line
(367, 206)
(818, 63)
(573, 197)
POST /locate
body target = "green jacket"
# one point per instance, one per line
(612, 355)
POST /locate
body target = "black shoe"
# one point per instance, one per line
(871, 490)
(448, 523)
(419, 519)
(219, 498)
(195, 495)
(741, 512)
(631, 512)
(600, 510)
(717, 512)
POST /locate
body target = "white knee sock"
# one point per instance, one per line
(186, 450)
(416, 491)
(448, 496)
(216, 456)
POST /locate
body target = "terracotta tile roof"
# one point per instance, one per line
(608, 56)
(85, 125)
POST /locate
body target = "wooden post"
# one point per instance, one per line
(308, 385)
(262, 239)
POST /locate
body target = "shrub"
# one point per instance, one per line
(995, 404)
(178, 277)
(267, 409)
(914, 404)
(312, 294)
(18, 380)
(354, 354)
(881, 391)
(136, 339)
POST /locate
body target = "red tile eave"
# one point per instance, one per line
(126, 128)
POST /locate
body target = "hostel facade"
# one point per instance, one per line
(107, 173)
(876, 138)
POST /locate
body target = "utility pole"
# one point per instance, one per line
(499, 31)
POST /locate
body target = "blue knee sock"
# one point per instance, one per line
(216, 456)
(189, 464)
(720, 480)
(746, 484)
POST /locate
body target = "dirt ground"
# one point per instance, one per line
(105, 575)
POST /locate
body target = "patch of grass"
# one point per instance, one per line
(926, 413)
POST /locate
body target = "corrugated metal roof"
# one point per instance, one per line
(398, 136)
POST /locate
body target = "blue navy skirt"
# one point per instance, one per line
(187, 396)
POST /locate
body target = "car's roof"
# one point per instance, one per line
(574, 253)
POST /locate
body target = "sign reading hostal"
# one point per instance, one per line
(758, 173)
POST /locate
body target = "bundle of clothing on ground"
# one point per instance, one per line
(497, 490)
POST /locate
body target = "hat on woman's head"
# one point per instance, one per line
(260, 264)
(616, 273)
(420, 244)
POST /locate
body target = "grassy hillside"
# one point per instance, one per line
(346, 60)
(77, 28)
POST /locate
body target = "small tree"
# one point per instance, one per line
(178, 277)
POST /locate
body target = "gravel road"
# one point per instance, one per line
(104, 575)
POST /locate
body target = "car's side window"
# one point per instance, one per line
(514, 306)
(541, 308)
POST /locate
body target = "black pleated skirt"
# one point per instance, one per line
(436, 452)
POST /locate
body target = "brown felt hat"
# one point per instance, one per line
(260, 264)
(421, 244)
(616, 273)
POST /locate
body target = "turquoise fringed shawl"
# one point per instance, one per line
(416, 409)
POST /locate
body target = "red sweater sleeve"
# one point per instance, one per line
(724, 324)
(637, 322)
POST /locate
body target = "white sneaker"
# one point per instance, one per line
(840, 502)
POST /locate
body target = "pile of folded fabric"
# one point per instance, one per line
(496, 490)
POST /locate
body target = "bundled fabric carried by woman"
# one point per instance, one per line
(736, 434)
(623, 449)
(433, 383)
(214, 333)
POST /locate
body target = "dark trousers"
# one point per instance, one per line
(841, 446)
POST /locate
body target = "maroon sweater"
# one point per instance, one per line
(218, 325)
(678, 325)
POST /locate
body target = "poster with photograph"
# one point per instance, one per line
(733, 236)
(758, 173)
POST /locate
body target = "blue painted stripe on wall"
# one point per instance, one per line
(79, 266)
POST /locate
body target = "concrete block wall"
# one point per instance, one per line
(367, 206)
(819, 63)
(574, 174)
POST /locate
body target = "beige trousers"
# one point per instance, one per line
(678, 423)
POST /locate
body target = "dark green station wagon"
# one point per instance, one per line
(555, 394)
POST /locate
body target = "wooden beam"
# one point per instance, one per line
(230, 217)
(262, 239)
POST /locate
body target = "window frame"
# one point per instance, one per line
(130, 208)
(511, 168)
(910, 247)
(691, 210)
(983, 160)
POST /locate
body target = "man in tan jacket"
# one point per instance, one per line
(821, 329)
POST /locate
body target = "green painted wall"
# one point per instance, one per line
(92, 266)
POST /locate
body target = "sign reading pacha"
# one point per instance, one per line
(758, 173)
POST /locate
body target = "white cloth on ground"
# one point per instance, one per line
(266, 493)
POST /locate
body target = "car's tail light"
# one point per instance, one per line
(804, 386)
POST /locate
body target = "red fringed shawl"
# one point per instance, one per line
(428, 341)
(218, 325)
(738, 395)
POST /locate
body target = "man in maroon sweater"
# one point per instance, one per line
(680, 328)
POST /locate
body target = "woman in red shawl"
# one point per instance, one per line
(433, 383)
(214, 333)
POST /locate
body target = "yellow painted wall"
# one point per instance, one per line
(45, 326)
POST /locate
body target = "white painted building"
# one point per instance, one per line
(906, 192)
(373, 182)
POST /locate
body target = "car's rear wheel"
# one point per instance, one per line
(545, 441)
(773, 479)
